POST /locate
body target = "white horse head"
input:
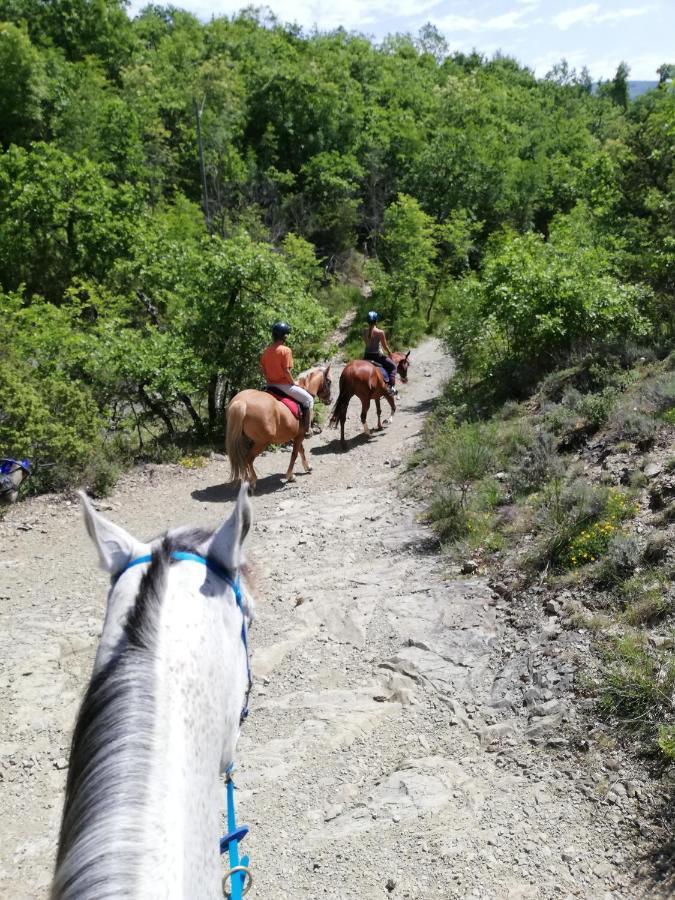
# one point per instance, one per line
(160, 719)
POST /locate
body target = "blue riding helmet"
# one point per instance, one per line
(372, 316)
(280, 330)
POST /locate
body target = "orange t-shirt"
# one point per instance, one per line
(275, 360)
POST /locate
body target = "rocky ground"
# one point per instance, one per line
(412, 733)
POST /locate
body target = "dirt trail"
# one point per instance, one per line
(376, 760)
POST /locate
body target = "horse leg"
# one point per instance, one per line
(255, 450)
(379, 414)
(297, 444)
(307, 467)
(365, 406)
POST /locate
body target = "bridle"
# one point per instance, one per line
(324, 391)
(234, 585)
(239, 871)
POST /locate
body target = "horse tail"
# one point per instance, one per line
(339, 411)
(237, 444)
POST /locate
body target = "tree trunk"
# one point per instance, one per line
(213, 402)
(156, 409)
(194, 415)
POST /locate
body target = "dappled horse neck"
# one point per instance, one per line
(113, 751)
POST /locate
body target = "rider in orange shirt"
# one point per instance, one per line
(276, 364)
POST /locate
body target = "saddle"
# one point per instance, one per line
(382, 369)
(293, 405)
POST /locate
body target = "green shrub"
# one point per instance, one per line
(638, 689)
(666, 741)
(465, 455)
(575, 522)
(657, 394)
(559, 418)
(537, 464)
(620, 555)
(514, 438)
(596, 408)
(537, 300)
(449, 517)
(337, 299)
(633, 426)
(53, 421)
(101, 475)
(597, 537)
(651, 607)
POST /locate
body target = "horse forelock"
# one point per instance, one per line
(101, 845)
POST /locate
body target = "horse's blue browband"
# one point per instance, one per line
(212, 566)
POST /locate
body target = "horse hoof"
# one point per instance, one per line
(308, 469)
(290, 478)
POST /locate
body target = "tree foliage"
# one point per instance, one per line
(142, 287)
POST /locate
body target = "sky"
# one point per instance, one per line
(538, 33)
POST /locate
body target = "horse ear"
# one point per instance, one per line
(326, 369)
(226, 545)
(407, 354)
(116, 547)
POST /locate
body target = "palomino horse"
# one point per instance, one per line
(160, 719)
(365, 379)
(256, 419)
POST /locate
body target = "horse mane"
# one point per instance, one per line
(101, 852)
(303, 376)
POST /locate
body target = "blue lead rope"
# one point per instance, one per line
(238, 867)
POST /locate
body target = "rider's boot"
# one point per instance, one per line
(305, 422)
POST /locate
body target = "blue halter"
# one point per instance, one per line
(233, 583)
(230, 843)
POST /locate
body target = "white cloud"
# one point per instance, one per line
(350, 14)
(590, 14)
(505, 22)
(565, 20)
(601, 67)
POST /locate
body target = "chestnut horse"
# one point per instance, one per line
(256, 419)
(365, 379)
(402, 362)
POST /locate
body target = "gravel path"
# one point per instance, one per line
(383, 755)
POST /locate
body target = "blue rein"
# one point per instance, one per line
(238, 868)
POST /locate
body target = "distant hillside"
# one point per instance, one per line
(635, 88)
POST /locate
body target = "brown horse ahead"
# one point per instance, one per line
(402, 364)
(365, 379)
(256, 419)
